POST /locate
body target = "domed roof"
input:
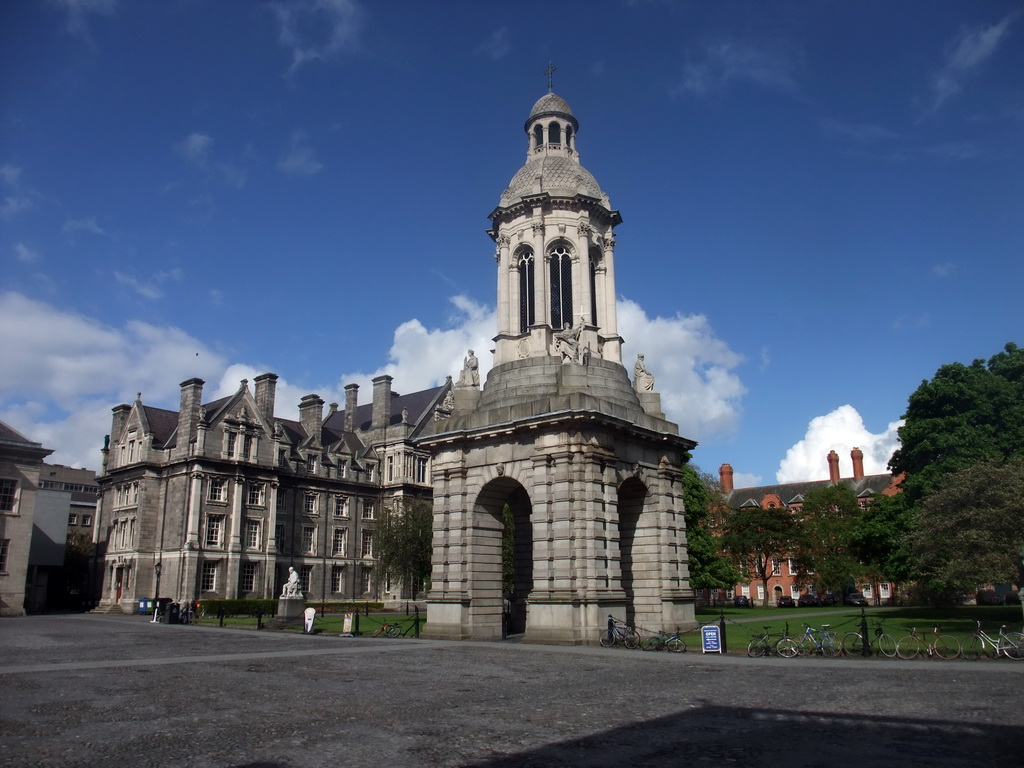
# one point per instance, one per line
(560, 176)
(549, 103)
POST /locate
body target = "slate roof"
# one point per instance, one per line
(162, 423)
(794, 493)
(560, 176)
(416, 402)
(11, 435)
(550, 104)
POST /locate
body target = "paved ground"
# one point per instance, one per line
(100, 691)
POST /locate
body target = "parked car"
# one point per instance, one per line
(827, 599)
(741, 601)
(854, 598)
(987, 597)
(807, 600)
(1012, 598)
(785, 601)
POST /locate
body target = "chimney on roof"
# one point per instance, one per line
(311, 416)
(725, 478)
(351, 403)
(266, 393)
(188, 415)
(858, 464)
(381, 401)
(833, 467)
(120, 418)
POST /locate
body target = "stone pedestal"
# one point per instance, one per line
(290, 608)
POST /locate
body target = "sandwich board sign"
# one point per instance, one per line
(711, 638)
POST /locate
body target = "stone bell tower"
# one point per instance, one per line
(557, 495)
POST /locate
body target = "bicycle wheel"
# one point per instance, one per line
(831, 646)
(946, 647)
(652, 643)
(676, 645)
(908, 647)
(807, 647)
(1013, 646)
(631, 640)
(972, 649)
(607, 638)
(394, 630)
(757, 647)
(887, 645)
(787, 648)
(853, 644)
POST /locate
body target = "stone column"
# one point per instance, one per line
(541, 287)
(234, 548)
(582, 295)
(506, 324)
(195, 502)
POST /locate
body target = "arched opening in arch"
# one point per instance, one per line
(538, 136)
(633, 546)
(554, 133)
(568, 136)
(560, 262)
(502, 557)
(527, 298)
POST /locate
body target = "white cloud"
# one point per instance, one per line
(14, 205)
(497, 45)
(317, 30)
(25, 254)
(63, 372)
(693, 369)
(945, 269)
(148, 288)
(196, 148)
(299, 159)
(964, 55)
(78, 10)
(71, 226)
(841, 431)
(10, 174)
(729, 62)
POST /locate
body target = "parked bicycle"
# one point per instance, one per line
(619, 633)
(882, 642)
(669, 641)
(819, 641)
(383, 630)
(400, 630)
(768, 644)
(1008, 644)
(913, 645)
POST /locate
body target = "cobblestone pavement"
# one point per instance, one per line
(102, 690)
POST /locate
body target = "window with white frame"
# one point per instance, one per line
(793, 570)
(341, 506)
(337, 578)
(745, 590)
(257, 496)
(883, 590)
(72, 519)
(131, 532)
(214, 530)
(794, 591)
(367, 509)
(308, 539)
(249, 447)
(208, 579)
(279, 537)
(247, 577)
(309, 503)
(367, 544)
(252, 534)
(421, 469)
(8, 494)
(306, 576)
(311, 465)
(365, 580)
(231, 441)
(865, 590)
(218, 489)
(389, 464)
(339, 541)
(86, 521)
(776, 566)
(760, 591)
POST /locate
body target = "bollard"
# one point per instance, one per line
(721, 627)
(865, 650)
(416, 624)
(355, 625)
(220, 616)
(259, 621)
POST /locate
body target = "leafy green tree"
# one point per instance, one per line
(971, 528)
(824, 544)
(754, 536)
(709, 568)
(964, 415)
(403, 540)
(881, 538)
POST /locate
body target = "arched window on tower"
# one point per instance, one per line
(595, 258)
(538, 136)
(554, 133)
(560, 259)
(568, 136)
(527, 312)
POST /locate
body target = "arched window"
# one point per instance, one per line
(568, 136)
(527, 312)
(538, 136)
(554, 133)
(560, 258)
(595, 257)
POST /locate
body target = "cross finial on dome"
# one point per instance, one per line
(550, 71)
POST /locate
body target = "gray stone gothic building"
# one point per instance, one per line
(559, 444)
(225, 496)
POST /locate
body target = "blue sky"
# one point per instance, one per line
(822, 202)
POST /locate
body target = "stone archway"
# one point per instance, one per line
(502, 557)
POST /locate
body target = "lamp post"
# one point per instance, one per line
(157, 567)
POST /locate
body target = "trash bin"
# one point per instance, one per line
(145, 605)
(173, 613)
